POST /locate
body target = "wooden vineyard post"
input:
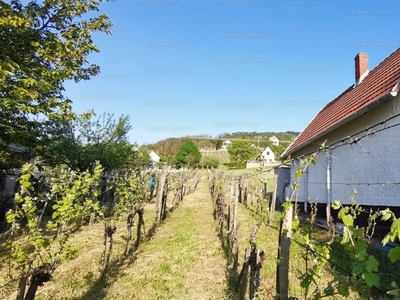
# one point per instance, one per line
(235, 245)
(229, 221)
(273, 201)
(253, 259)
(181, 188)
(245, 189)
(256, 261)
(139, 227)
(160, 195)
(265, 189)
(239, 191)
(130, 223)
(164, 200)
(251, 188)
(244, 274)
(282, 269)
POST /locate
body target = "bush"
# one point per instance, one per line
(188, 155)
(209, 162)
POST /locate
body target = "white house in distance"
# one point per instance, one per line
(154, 157)
(361, 131)
(274, 140)
(268, 155)
(225, 145)
(265, 157)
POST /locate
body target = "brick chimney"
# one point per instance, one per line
(361, 66)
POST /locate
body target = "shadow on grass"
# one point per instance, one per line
(107, 278)
(231, 271)
(117, 266)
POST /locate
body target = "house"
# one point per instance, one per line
(225, 145)
(274, 140)
(267, 155)
(360, 129)
(154, 158)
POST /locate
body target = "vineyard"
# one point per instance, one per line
(113, 213)
(199, 234)
(223, 156)
(285, 254)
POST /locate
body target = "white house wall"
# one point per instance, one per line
(371, 166)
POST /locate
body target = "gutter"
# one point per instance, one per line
(393, 93)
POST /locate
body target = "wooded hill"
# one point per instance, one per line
(169, 147)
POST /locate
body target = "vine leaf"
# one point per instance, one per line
(372, 264)
(385, 215)
(348, 220)
(346, 237)
(343, 288)
(394, 254)
(371, 279)
(336, 204)
(361, 246)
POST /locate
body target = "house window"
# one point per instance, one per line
(267, 152)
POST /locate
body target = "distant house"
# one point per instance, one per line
(360, 129)
(154, 157)
(225, 145)
(274, 140)
(267, 155)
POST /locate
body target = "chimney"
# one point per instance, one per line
(361, 66)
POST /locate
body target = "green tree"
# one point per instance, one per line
(209, 162)
(142, 158)
(240, 152)
(42, 45)
(188, 155)
(80, 142)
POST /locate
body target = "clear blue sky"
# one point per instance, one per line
(183, 67)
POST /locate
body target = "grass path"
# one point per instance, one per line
(183, 260)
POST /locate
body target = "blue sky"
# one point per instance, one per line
(183, 67)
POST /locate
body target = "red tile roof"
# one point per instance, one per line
(376, 84)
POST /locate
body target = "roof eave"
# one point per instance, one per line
(363, 110)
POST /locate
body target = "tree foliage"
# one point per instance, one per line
(240, 152)
(209, 162)
(43, 44)
(80, 142)
(188, 155)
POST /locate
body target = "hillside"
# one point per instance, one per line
(284, 137)
(168, 147)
